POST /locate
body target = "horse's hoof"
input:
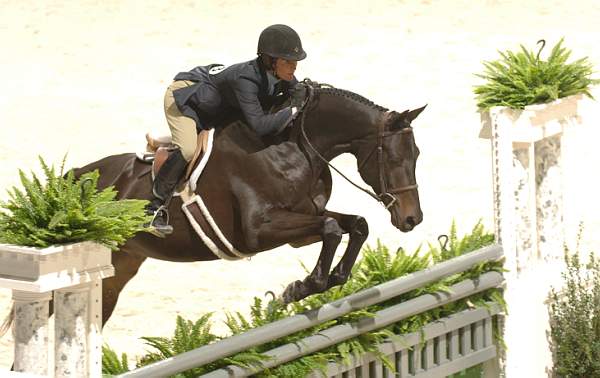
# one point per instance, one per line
(336, 280)
(291, 292)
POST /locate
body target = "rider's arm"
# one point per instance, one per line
(246, 92)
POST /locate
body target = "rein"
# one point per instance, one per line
(385, 194)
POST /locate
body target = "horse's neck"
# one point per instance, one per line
(335, 125)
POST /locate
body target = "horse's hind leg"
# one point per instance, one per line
(286, 227)
(126, 266)
(358, 230)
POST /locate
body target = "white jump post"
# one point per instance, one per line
(528, 215)
(74, 272)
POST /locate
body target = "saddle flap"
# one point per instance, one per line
(163, 149)
(160, 156)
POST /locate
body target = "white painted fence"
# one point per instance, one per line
(444, 347)
(447, 363)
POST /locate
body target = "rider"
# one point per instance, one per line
(199, 99)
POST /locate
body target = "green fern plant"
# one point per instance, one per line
(63, 209)
(450, 246)
(377, 265)
(188, 336)
(111, 364)
(521, 78)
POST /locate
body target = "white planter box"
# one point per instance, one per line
(535, 122)
(74, 272)
(41, 270)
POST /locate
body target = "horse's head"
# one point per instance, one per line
(387, 162)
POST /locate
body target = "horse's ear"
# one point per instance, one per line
(398, 121)
(410, 116)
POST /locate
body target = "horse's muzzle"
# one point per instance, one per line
(404, 220)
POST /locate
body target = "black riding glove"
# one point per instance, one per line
(298, 96)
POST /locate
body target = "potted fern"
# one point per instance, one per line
(60, 218)
(56, 237)
(527, 104)
(532, 92)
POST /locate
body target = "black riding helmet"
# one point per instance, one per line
(281, 41)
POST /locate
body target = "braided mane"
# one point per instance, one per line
(350, 95)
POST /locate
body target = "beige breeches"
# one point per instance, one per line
(183, 129)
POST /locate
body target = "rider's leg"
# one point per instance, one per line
(184, 136)
(183, 129)
(165, 182)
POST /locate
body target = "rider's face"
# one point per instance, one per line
(284, 69)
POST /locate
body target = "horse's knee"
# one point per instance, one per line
(332, 232)
(361, 228)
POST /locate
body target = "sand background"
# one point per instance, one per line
(88, 78)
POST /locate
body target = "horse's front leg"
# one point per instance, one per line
(358, 230)
(286, 227)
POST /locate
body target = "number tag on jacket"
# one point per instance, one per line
(216, 69)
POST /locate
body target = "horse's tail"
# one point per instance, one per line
(7, 324)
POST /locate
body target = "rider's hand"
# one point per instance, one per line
(298, 96)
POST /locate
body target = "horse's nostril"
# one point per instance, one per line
(411, 221)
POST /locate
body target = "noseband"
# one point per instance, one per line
(381, 134)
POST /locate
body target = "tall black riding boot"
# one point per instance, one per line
(164, 184)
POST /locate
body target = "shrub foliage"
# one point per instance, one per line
(575, 319)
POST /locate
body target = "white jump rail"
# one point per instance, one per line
(383, 318)
(380, 293)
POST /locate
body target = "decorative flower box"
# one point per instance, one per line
(72, 274)
(535, 122)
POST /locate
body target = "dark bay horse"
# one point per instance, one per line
(267, 193)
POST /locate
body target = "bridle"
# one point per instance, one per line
(385, 192)
(381, 134)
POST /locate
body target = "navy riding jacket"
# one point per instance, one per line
(243, 91)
